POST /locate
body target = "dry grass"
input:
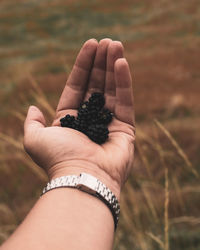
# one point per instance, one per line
(148, 204)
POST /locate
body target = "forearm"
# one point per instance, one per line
(65, 218)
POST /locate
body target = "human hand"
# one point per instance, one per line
(99, 67)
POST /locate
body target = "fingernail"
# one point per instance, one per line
(123, 59)
(94, 39)
(32, 108)
(118, 42)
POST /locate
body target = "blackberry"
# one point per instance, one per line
(84, 115)
(93, 113)
(97, 133)
(92, 119)
(67, 121)
(97, 100)
(84, 106)
(81, 124)
(83, 112)
(104, 117)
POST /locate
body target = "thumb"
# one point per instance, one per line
(34, 119)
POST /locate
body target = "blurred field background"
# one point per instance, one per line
(39, 41)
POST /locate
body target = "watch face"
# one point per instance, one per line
(88, 183)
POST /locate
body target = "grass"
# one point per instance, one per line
(38, 45)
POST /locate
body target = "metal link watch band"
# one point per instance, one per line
(91, 185)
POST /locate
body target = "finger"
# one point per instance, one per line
(76, 85)
(98, 74)
(34, 120)
(124, 109)
(115, 51)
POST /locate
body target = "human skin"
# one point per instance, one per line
(67, 218)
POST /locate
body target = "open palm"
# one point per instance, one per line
(99, 67)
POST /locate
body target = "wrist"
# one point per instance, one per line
(64, 169)
(91, 185)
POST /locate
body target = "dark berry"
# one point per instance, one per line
(84, 105)
(97, 100)
(104, 117)
(97, 133)
(83, 112)
(81, 125)
(92, 119)
(67, 121)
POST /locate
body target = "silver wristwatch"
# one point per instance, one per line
(91, 185)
